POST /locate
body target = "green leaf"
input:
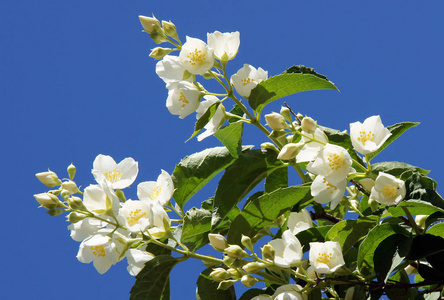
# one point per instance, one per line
(435, 217)
(204, 119)
(286, 84)
(421, 187)
(371, 242)
(196, 226)
(396, 168)
(196, 170)
(389, 254)
(416, 207)
(349, 232)
(231, 137)
(425, 245)
(263, 210)
(276, 180)
(240, 178)
(153, 280)
(207, 288)
(400, 293)
(314, 234)
(437, 229)
(396, 130)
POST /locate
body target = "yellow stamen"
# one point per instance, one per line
(246, 81)
(389, 191)
(135, 216)
(183, 99)
(335, 161)
(324, 258)
(113, 176)
(196, 57)
(156, 192)
(365, 137)
(329, 185)
(98, 250)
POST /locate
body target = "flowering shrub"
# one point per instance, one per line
(347, 231)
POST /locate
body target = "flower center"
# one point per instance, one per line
(135, 216)
(156, 192)
(113, 175)
(196, 57)
(98, 250)
(324, 258)
(246, 81)
(389, 191)
(183, 99)
(365, 136)
(335, 161)
(329, 185)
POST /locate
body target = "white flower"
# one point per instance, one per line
(161, 223)
(159, 191)
(388, 190)
(136, 260)
(169, 69)
(326, 257)
(324, 192)
(288, 250)
(99, 249)
(262, 297)
(299, 221)
(333, 162)
(136, 215)
(100, 199)
(196, 56)
(216, 121)
(225, 45)
(311, 148)
(275, 121)
(367, 137)
(85, 228)
(183, 98)
(218, 241)
(247, 79)
(289, 292)
(119, 176)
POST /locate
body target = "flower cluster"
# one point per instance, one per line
(109, 226)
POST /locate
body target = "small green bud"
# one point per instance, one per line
(49, 178)
(159, 52)
(268, 252)
(235, 251)
(76, 217)
(280, 221)
(228, 261)
(170, 29)
(158, 37)
(47, 200)
(246, 241)
(235, 274)
(275, 121)
(309, 125)
(121, 195)
(254, 267)
(285, 112)
(217, 241)
(271, 146)
(300, 116)
(71, 171)
(76, 203)
(249, 280)
(224, 285)
(150, 24)
(65, 194)
(220, 274)
(420, 220)
(70, 186)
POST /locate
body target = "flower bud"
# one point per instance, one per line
(290, 150)
(235, 251)
(70, 186)
(220, 274)
(159, 52)
(49, 178)
(150, 24)
(309, 125)
(170, 29)
(235, 274)
(275, 121)
(420, 220)
(228, 261)
(77, 204)
(254, 267)
(268, 252)
(248, 280)
(209, 263)
(47, 200)
(246, 241)
(410, 270)
(224, 285)
(268, 145)
(121, 195)
(76, 217)
(279, 221)
(218, 242)
(285, 112)
(71, 171)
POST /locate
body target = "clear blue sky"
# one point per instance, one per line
(76, 81)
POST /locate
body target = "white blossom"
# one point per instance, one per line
(311, 148)
(326, 257)
(85, 228)
(183, 98)
(100, 198)
(225, 45)
(324, 191)
(388, 190)
(136, 260)
(169, 69)
(333, 162)
(216, 120)
(247, 78)
(196, 56)
(299, 221)
(367, 137)
(289, 292)
(119, 176)
(157, 191)
(288, 250)
(136, 215)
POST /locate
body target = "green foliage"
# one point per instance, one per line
(207, 288)
(205, 118)
(196, 226)
(231, 137)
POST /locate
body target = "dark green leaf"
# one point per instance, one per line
(153, 280)
(207, 288)
(389, 254)
(438, 216)
(196, 226)
(415, 207)
(236, 110)
(396, 168)
(315, 294)
(231, 137)
(239, 179)
(425, 245)
(423, 188)
(286, 84)
(265, 209)
(205, 118)
(196, 170)
(349, 232)
(396, 130)
(429, 273)
(401, 293)
(315, 234)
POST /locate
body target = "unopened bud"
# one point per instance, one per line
(77, 204)
(70, 186)
(275, 121)
(290, 150)
(224, 285)
(220, 274)
(228, 261)
(280, 221)
(47, 200)
(159, 52)
(235, 274)
(268, 252)
(248, 280)
(254, 267)
(235, 251)
(354, 203)
(121, 195)
(149, 24)
(76, 217)
(246, 241)
(71, 171)
(286, 113)
(65, 194)
(268, 145)
(309, 125)
(410, 270)
(218, 242)
(170, 29)
(49, 178)
(420, 220)
(300, 116)
(209, 263)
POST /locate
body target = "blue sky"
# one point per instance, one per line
(76, 81)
